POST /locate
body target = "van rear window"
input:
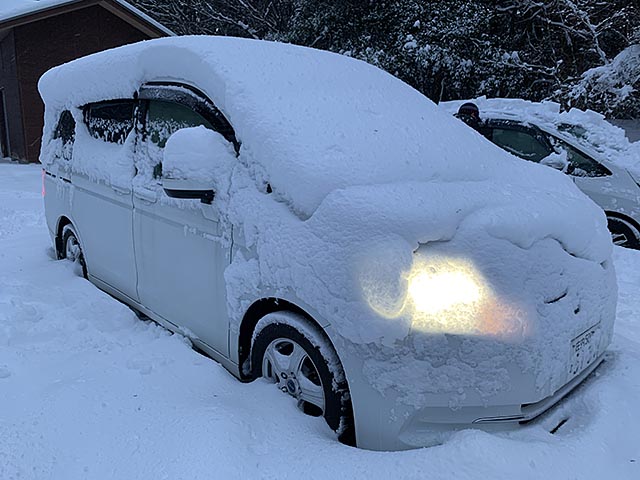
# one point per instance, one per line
(110, 121)
(65, 132)
(165, 118)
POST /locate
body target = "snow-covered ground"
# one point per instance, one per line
(87, 390)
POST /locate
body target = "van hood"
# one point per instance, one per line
(424, 212)
(370, 236)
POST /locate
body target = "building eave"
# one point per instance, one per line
(120, 8)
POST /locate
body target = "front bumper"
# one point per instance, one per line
(384, 424)
(420, 429)
(529, 411)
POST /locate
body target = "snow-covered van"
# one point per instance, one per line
(308, 218)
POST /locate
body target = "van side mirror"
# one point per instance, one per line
(194, 164)
(188, 189)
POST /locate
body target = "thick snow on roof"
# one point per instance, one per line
(309, 121)
(16, 8)
(314, 124)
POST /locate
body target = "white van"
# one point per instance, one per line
(306, 217)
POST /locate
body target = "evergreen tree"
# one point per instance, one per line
(449, 49)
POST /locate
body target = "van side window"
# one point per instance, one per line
(110, 121)
(66, 132)
(66, 128)
(165, 118)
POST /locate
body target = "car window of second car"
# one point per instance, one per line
(521, 143)
(580, 165)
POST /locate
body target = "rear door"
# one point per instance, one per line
(181, 246)
(102, 202)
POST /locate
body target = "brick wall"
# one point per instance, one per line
(46, 43)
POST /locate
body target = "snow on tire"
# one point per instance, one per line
(293, 353)
(71, 249)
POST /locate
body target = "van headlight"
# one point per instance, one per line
(450, 296)
(445, 295)
(433, 290)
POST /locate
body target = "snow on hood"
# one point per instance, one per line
(504, 211)
(350, 259)
(312, 122)
(586, 128)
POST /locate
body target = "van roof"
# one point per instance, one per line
(310, 122)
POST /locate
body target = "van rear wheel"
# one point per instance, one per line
(71, 249)
(290, 352)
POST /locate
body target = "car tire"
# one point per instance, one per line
(623, 233)
(71, 248)
(295, 354)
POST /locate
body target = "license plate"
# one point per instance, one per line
(584, 350)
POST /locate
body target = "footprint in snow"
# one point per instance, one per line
(143, 366)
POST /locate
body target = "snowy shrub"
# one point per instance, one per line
(613, 89)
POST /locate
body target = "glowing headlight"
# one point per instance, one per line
(442, 295)
(447, 295)
(434, 291)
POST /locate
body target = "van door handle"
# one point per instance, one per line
(147, 196)
(121, 190)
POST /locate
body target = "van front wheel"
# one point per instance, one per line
(294, 354)
(71, 249)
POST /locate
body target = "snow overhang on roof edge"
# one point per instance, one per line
(23, 10)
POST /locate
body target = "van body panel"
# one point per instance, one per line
(180, 258)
